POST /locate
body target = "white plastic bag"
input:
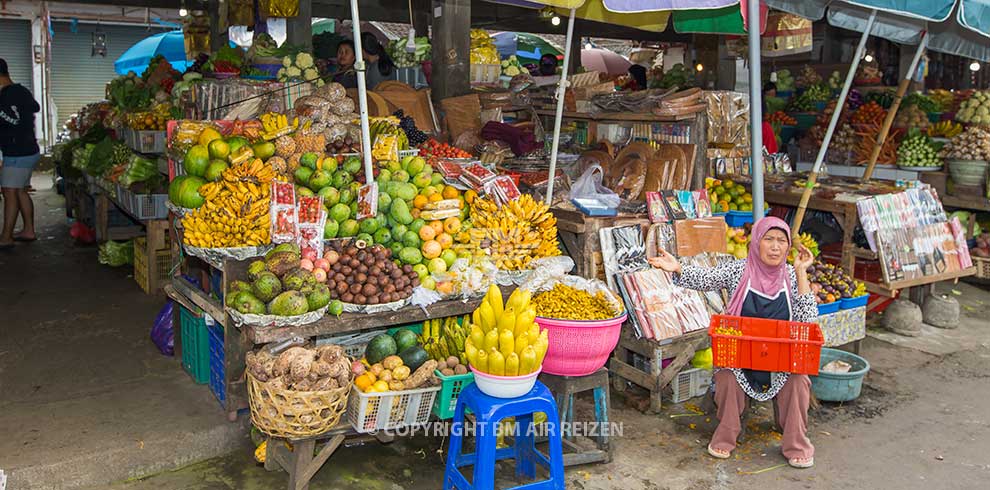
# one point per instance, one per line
(589, 186)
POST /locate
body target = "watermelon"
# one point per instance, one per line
(379, 348)
(184, 191)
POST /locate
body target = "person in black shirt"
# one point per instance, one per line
(19, 154)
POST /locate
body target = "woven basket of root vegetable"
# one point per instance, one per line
(299, 393)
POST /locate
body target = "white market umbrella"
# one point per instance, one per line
(369, 171)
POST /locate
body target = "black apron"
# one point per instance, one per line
(756, 305)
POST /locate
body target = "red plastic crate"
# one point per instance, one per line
(766, 345)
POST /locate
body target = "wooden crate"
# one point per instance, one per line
(653, 378)
(580, 237)
(153, 258)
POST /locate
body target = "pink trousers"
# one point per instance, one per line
(792, 414)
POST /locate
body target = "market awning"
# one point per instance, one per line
(957, 27)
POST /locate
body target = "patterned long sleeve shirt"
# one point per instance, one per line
(727, 276)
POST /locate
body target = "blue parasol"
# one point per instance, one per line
(171, 45)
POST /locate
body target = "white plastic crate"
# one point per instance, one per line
(371, 412)
(485, 73)
(354, 344)
(145, 141)
(148, 206)
(691, 383)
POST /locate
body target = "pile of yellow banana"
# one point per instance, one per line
(515, 234)
(443, 338)
(277, 125)
(505, 339)
(235, 212)
(945, 129)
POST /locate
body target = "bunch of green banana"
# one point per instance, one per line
(444, 337)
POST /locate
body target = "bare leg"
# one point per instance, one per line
(10, 210)
(26, 206)
(731, 401)
(793, 401)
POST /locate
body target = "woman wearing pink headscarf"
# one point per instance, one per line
(764, 286)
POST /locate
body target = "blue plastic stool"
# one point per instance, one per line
(488, 412)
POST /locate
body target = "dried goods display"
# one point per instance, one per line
(569, 303)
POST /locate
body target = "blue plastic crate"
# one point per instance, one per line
(828, 308)
(857, 302)
(217, 373)
(195, 346)
(118, 218)
(735, 219)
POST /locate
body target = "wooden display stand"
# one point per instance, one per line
(580, 237)
(303, 460)
(238, 341)
(579, 449)
(848, 216)
(656, 377)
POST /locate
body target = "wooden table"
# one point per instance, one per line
(579, 235)
(238, 341)
(848, 216)
(303, 461)
(656, 377)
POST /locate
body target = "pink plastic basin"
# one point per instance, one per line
(579, 347)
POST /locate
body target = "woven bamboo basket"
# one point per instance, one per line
(293, 414)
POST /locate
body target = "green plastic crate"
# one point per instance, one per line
(450, 388)
(195, 346)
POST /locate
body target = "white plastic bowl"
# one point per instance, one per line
(504, 386)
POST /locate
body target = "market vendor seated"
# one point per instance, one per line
(763, 286)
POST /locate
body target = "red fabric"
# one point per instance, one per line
(769, 138)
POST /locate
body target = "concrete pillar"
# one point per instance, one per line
(451, 48)
(299, 29)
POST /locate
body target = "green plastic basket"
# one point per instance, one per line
(195, 346)
(450, 388)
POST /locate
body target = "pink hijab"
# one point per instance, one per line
(765, 279)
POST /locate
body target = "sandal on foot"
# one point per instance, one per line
(715, 453)
(801, 463)
(19, 238)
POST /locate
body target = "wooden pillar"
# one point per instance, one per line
(451, 48)
(299, 29)
(421, 17)
(577, 44)
(218, 26)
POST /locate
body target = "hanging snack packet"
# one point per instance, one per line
(283, 212)
(386, 148)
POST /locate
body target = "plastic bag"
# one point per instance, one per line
(589, 186)
(162, 333)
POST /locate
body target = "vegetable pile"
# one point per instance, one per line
(911, 116)
(869, 113)
(918, 150)
(975, 109)
(280, 285)
(301, 368)
(972, 144)
(404, 59)
(808, 77)
(394, 363)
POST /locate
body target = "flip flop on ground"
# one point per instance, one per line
(717, 453)
(801, 463)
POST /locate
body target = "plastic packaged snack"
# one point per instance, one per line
(367, 201)
(386, 147)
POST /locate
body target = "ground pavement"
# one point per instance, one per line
(88, 400)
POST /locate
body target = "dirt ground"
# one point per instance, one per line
(87, 400)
